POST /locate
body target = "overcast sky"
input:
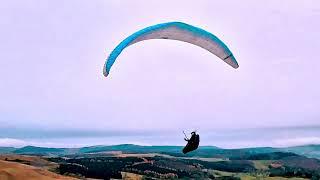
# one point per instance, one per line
(52, 55)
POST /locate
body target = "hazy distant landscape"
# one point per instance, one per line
(153, 162)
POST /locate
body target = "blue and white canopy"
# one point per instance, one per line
(175, 31)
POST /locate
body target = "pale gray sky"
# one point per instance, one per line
(52, 54)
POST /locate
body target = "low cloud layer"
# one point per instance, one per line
(296, 141)
(236, 138)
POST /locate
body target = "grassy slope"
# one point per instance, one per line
(13, 170)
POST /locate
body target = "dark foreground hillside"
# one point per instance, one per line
(148, 166)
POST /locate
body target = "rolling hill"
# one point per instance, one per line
(312, 151)
(17, 171)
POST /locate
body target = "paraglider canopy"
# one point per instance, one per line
(175, 31)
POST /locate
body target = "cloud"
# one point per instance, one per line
(65, 143)
(10, 142)
(296, 141)
(220, 142)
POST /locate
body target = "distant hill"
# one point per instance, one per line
(309, 150)
(7, 149)
(130, 148)
(39, 150)
(312, 151)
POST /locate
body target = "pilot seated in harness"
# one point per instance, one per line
(193, 143)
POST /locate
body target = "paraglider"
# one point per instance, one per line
(181, 32)
(193, 142)
(175, 31)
